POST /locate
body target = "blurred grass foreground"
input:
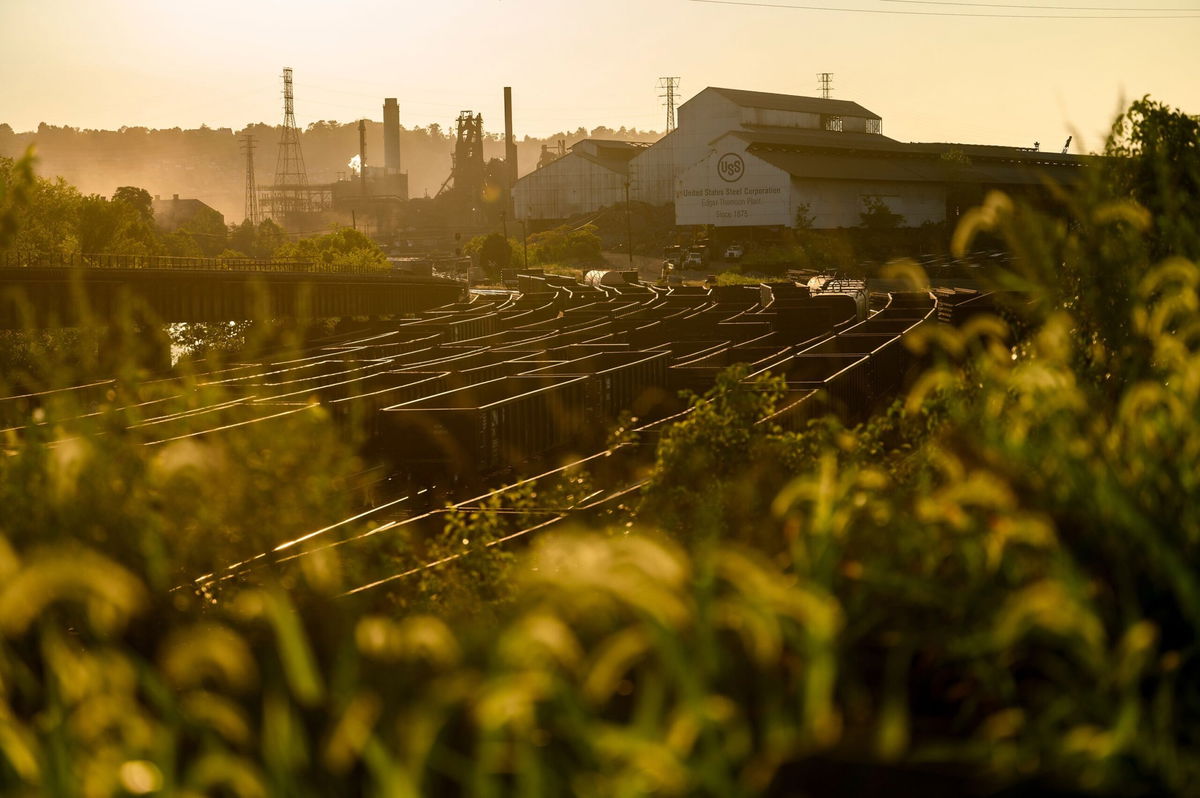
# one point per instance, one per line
(993, 588)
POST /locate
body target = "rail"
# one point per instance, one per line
(104, 260)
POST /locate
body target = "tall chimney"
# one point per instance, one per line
(362, 155)
(391, 135)
(510, 146)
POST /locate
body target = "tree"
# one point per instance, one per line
(40, 215)
(16, 184)
(804, 218)
(494, 254)
(344, 248)
(877, 215)
(562, 245)
(269, 237)
(208, 229)
(1155, 151)
(137, 198)
(99, 224)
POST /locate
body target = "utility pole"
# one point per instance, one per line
(669, 87)
(825, 82)
(628, 225)
(252, 213)
(525, 243)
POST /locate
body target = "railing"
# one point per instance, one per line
(115, 261)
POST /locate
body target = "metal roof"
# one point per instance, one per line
(615, 143)
(814, 138)
(832, 155)
(871, 143)
(917, 168)
(851, 167)
(793, 102)
(614, 162)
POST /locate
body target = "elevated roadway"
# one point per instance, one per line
(83, 291)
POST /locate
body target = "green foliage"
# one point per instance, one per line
(207, 230)
(1155, 152)
(118, 226)
(493, 252)
(345, 247)
(41, 215)
(259, 241)
(16, 184)
(565, 246)
(137, 198)
(773, 260)
(876, 215)
(804, 219)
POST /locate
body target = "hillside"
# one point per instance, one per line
(207, 163)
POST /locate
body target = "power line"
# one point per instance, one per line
(889, 11)
(290, 192)
(669, 86)
(1041, 7)
(252, 212)
(825, 83)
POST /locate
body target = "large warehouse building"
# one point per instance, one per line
(747, 158)
(590, 176)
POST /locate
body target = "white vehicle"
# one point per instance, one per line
(693, 259)
(735, 252)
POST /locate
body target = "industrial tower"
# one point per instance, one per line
(291, 180)
(252, 213)
(825, 83)
(669, 87)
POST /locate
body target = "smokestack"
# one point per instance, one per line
(391, 135)
(510, 146)
(362, 155)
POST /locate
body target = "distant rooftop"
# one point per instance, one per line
(170, 214)
(821, 154)
(794, 102)
(614, 143)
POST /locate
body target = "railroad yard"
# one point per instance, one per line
(470, 401)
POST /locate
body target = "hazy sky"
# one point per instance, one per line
(1003, 80)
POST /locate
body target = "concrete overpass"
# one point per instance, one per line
(88, 290)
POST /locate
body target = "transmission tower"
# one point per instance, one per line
(825, 82)
(669, 87)
(291, 180)
(251, 189)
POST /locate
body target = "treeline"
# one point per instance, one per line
(209, 164)
(52, 217)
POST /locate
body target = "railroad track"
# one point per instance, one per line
(849, 367)
(473, 402)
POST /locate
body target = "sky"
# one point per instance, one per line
(935, 71)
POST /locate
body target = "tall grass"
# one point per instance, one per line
(992, 585)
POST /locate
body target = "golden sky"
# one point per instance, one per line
(1004, 79)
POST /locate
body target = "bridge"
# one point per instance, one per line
(87, 290)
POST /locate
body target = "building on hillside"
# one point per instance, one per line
(749, 158)
(590, 176)
(171, 214)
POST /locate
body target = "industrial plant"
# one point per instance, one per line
(473, 197)
(750, 159)
(735, 158)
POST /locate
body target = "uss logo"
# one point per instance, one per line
(731, 167)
